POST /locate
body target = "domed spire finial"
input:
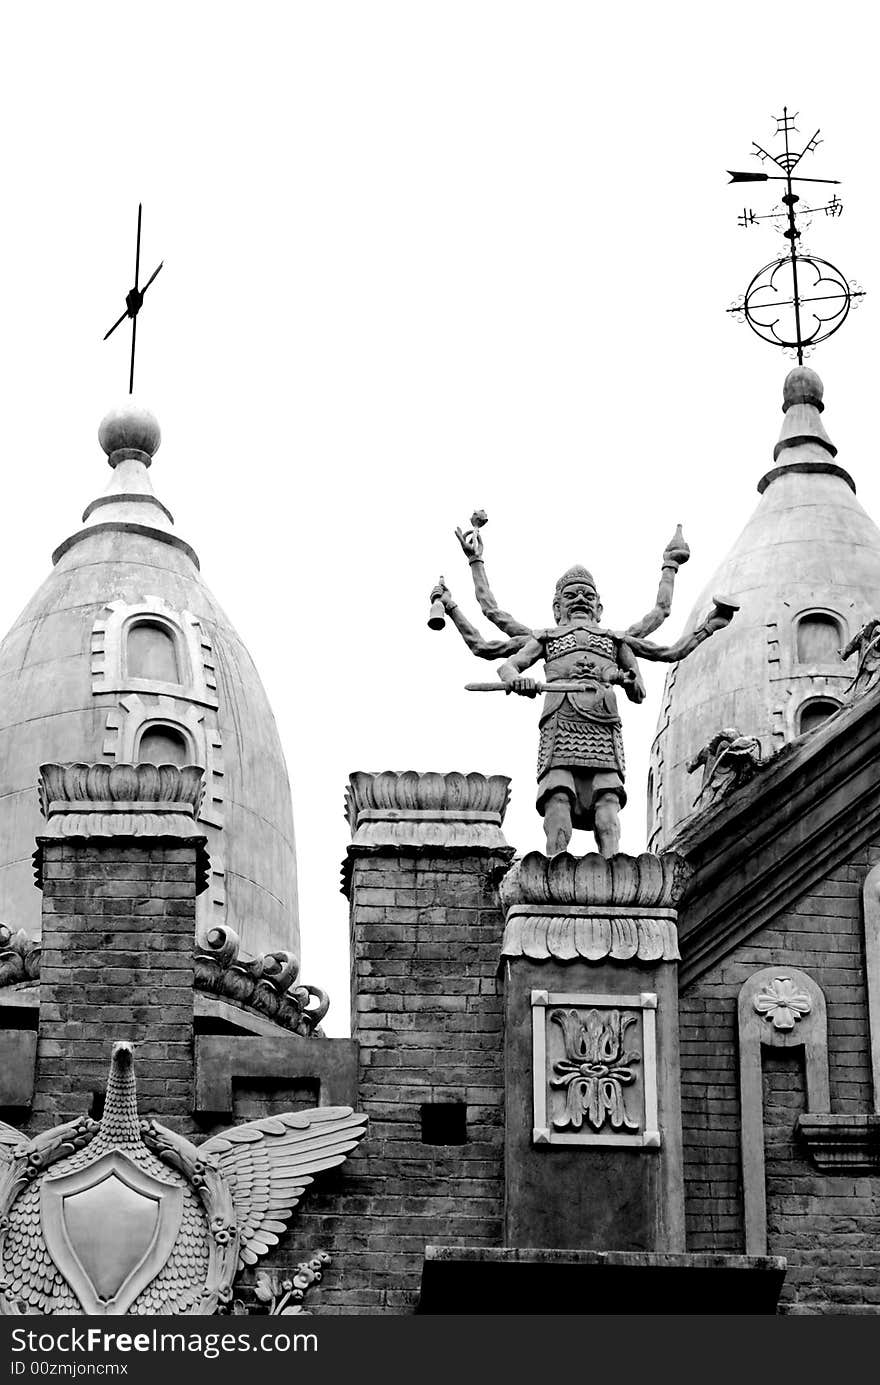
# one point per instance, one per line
(803, 442)
(128, 433)
(802, 386)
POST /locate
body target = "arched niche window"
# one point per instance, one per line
(815, 712)
(152, 652)
(161, 744)
(820, 638)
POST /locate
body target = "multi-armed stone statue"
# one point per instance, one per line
(580, 756)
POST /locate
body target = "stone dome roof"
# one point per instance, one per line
(806, 572)
(124, 655)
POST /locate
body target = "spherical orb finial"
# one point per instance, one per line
(802, 386)
(129, 430)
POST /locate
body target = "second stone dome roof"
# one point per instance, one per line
(806, 572)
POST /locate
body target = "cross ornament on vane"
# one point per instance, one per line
(134, 301)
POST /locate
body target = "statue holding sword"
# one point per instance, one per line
(580, 756)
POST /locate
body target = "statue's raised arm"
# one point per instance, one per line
(471, 541)
(484, 649)
(720, 615)
(675, 553)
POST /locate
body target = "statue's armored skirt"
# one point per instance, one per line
(581, 745)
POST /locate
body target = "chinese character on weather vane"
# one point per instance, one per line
(799, 299)
(134, 301)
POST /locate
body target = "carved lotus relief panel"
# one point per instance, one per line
(594, 1069)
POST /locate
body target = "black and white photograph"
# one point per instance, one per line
(439, 671)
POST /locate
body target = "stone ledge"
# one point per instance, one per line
(221, 1059)
(842, 1144)
(503, 1279)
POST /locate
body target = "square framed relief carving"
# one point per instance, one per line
(594, 1069)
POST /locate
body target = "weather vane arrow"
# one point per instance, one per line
(797, 300)
(738, 177)
(134, 300)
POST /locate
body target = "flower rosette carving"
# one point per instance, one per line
(596, 1068)
(781, 1004)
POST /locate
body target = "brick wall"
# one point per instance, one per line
(118, 931)
(827, 1226)
(426, 934)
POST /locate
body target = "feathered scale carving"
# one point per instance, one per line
(127, 1216)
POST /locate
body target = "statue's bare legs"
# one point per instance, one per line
(606, 823)
(557, 821)
(558, 828)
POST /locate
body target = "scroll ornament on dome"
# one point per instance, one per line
(267, 984)
(126, 1216)
(19, 957)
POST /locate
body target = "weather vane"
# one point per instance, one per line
(799, 299)
(134, 301)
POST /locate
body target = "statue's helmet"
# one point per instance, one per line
(574, 574)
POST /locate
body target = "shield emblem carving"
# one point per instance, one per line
(110, 1228)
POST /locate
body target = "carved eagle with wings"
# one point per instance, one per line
(125, 1216)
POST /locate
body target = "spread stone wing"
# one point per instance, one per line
(269, 1163)
(9, 1138)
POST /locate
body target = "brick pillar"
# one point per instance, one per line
(593, 1157)
(120, 864)
(421, 876)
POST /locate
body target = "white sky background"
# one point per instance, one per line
(419, 258)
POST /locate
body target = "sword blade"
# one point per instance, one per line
(561, 686)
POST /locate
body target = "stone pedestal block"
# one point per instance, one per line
(120, 863)
(593, 1149)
